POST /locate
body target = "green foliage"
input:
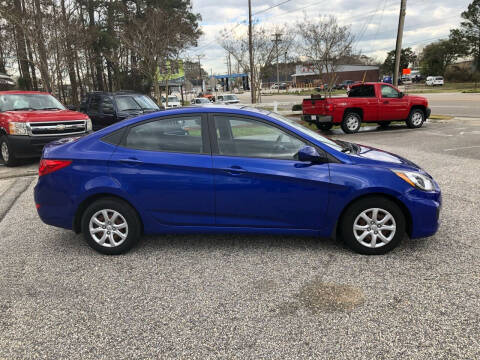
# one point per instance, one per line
(469, 31)
(407, 57)
(438, 55)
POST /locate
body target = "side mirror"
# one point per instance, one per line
(401, 94)
(309, 154)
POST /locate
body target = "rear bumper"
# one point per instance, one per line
(317, 118)
(31, 146)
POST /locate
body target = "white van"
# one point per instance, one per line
(434, 81)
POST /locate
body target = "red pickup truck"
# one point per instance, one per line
(31, 119)
(366, 102)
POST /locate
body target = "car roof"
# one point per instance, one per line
(19, 92)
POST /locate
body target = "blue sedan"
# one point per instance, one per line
(231, 169)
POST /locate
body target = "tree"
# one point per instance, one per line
(469, 31)
(324, 43)
(407, 57)
(436, 56)
(263, 53)
(157, 37)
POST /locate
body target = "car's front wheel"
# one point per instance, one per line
(416, 118)
(111, 226)
(6, 152)
(373, 226)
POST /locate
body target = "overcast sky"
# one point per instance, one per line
(373, 22)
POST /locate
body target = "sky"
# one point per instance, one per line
(373, 22)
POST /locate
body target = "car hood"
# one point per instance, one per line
(45, 115)
(371, 156)
(416, 98)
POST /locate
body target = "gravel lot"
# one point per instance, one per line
(252, 297)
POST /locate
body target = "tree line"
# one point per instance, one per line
(94, 45)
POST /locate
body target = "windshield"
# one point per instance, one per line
(135, 102)
(230, 97)
(203, 101)
(307, 131)
(15, 102)
(172, 99)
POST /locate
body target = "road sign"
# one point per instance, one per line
(406, 71)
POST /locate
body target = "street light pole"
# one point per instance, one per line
(398, 48)
(276, 41)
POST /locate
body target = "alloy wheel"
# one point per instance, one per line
(352, 123)
(374, 227)
(4, 150)
(417, 118)
(108, 228)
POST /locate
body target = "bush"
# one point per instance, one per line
(297, 107)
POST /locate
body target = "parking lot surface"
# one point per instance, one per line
(252, 297)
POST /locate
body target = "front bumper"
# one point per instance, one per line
(425, 208)
(31, 146)
(317, 118)
(427, 113)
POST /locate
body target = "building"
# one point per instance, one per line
(306, 76)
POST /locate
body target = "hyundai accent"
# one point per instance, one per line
(231, 169)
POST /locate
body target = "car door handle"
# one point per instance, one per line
(235, 170)
(131, 161)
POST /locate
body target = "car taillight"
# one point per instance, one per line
(48, 166)
(329, 107)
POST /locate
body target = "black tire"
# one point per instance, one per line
(384, 124)
(416, 118)
(354, 210)
(10, 160)
(350, 118)
(324, 126)
(130, 216)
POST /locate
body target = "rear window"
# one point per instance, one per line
(362, 91)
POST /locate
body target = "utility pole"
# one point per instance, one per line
(250, 51)
(200, 71)
(276, 41)
(398, 48)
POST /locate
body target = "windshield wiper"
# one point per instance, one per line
(130, 110)
(347, 146)
(50, 108)
(23, 109)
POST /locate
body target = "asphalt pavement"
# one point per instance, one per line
(252, 297)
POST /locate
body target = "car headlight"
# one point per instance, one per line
(17, 128)
(416, 179)
(89, 125)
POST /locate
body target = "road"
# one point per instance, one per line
(251, 297)
(454, 104)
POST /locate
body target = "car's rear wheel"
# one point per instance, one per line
(373, 226)
(324, 126)
(416, 118)
(6, 152)
(351, 122)
(111, 226)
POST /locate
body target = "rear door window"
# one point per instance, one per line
(178, 134)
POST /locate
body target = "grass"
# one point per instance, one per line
(448, 87)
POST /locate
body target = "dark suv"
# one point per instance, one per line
(106, 108)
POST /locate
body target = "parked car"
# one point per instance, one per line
(173, 102)
(434, 81)
(366, 102)
(228, 99)
(280, 86)
(6, 82)
(105, 108)
(31, 119)
(236, 170)
(345, 85)
(200, 101)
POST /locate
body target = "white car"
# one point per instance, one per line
(434, 81)
(173, 102)
(228, 99)
(200, 101)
